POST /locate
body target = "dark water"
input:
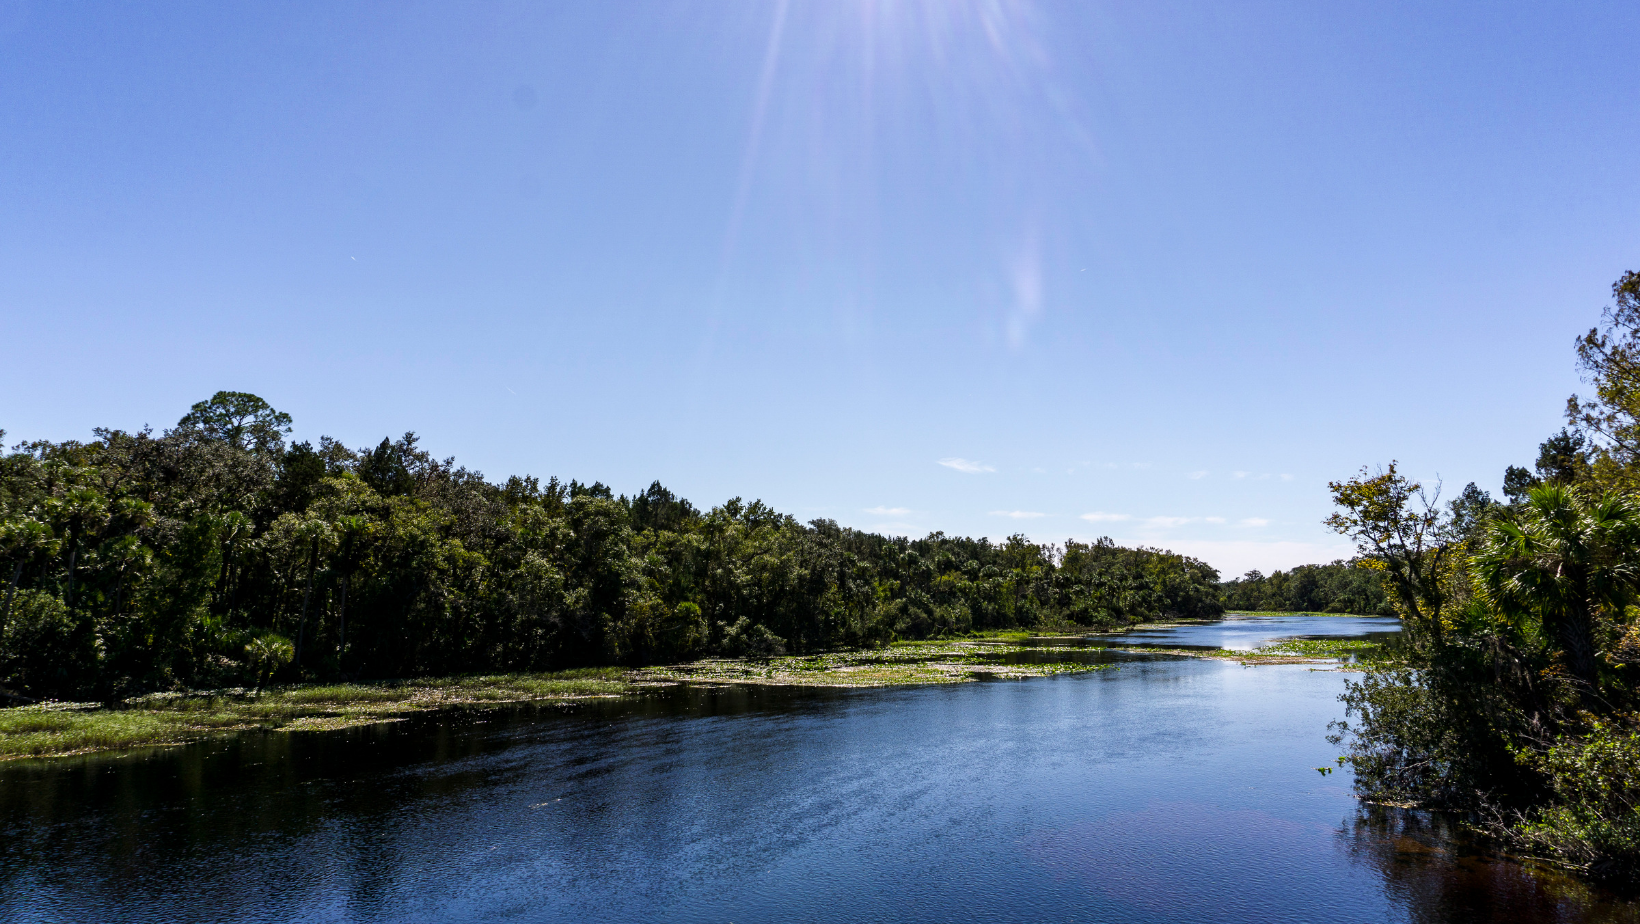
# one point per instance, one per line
(1163, 790)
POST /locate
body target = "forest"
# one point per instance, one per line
(1514, 700)
(217, 553)
(1339, 587)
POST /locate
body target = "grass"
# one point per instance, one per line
(64, 729)
(60, 729)
(1321, 648)
(950, 661)
(1300, 613)
(1286, 651)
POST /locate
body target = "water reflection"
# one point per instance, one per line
(1161, 790)
(1239, 863)
(1438, 873)
(1244, 633)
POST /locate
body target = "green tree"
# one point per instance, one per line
(1562, 559)
(22, 539)
(353, 533)
(1562, 459)
(240, 419)
(1609, 355)
(81, 513)
(1401, 530)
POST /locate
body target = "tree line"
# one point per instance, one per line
(216, 553)
(1338, 587)
(1516, 698)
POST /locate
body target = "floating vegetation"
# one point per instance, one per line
(1300, 613)
(62, 729)
(901, 663)
(58, 729)
(1285, 651)
(1321, 648)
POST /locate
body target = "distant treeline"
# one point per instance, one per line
(1341, 587)
(217, 554)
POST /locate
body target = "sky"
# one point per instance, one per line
(1156, 271)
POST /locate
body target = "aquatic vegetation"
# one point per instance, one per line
(1321, 648)
(58, 729)
(1286, 651)
(174, 718)
(1310, 613)
(955, 661)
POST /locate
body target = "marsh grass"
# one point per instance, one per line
(61, 729)
(1341, 648)
(55, 729)
(1299, 613)
(951, 661)
(1285, 651)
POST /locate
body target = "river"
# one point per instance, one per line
(1165, 789)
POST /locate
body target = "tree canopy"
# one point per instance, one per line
(1515, 697)
(216, 554)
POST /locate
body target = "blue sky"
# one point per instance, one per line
(1154, 271)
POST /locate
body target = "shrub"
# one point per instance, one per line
(45, 649)
(747, 639)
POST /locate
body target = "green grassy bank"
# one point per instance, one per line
(62, 729)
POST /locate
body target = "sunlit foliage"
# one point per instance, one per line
(1516, 698)
(214, 554)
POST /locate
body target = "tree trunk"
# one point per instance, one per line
(1578, 640)
(73, 553)
(11, 594)
(301, 626)
(341, 645)
(222, 573)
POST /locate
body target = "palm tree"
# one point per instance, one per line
(352, 531)
(22, 538)
(82, 511)
(1563, 557)
(317, 533)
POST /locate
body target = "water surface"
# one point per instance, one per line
(1164, 789)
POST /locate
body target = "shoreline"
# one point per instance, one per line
(57, 729)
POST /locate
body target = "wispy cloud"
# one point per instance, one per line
(967, 465)
(1255, 521)
(1157, 522)
(888, 511)
(1197, 476)
(1018, 514)
(1243, 474)
(1027, 279)
(1286, 477)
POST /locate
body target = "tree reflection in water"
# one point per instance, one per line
(1440, 874)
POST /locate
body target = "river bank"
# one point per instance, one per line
(66, 729)
(1170, 787)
